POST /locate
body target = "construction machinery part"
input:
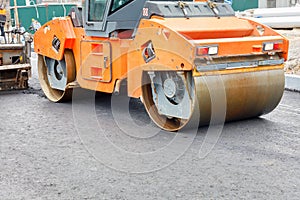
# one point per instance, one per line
(15, 68)
(169, 98)
(55, 75)
(14, 77)
(170, 105)
(180, 58)
(248, 94)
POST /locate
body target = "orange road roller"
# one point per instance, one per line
(176, 56)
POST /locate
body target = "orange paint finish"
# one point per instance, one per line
(100, 62)
(172, 52)
(244, 46)
(208, 27)
(267, 31)
(60, 28)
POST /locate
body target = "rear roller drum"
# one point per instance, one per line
(169, 98)
(54, 76)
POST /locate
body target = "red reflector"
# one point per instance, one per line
(96, 71)
(202, 51)
(276, 46)
(97, 48)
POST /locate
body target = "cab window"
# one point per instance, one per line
(96, 10)
(117, 4)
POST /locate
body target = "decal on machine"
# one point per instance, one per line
(145, 12)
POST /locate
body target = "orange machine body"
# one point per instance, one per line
(101, 62)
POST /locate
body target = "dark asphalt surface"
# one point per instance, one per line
(47, 152)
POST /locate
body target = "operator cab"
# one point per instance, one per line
(102, 18)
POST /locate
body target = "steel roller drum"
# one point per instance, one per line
(244, 95)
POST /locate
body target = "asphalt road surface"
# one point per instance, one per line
(80, 150)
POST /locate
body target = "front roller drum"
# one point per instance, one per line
(247, 95)
(55, 75)
(170, 97)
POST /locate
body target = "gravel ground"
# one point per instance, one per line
(44, 154)
(292, 66)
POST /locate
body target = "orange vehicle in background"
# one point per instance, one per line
(174, 55)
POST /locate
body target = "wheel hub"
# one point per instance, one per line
(170, 95)
(169, 88)
(56, 73)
